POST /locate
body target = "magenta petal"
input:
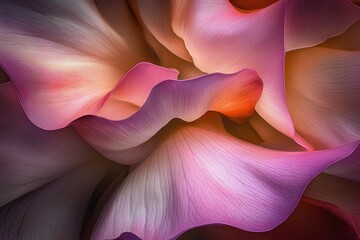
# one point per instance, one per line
(232, 94)
(309, 22)
(200, 175)
(55, 211)
(31, 157)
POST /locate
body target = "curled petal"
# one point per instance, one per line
(323, 95)
(200, 175)
(62, 57)
(31, 157)
(55, 211)
(156, 15)
(233, 37)
(309, 23)
(233, 95)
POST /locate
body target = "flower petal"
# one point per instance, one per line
(31, 157)
(62, 57)
(348, 41)
(309, 23)
(340, 192)
(55, 211)
(323, 95)
(156, 15)
(308, 221)
(221, 38)
(233, 95)
(348, 168)
(201, 175)
(133, 89)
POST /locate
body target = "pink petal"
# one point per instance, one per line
(348, 168)
(221, 38)
(309, 23)
(234, 95)
(308, 221)
(55, 211)
(201, 175)
(133, 89)
(338, 192)
(31, 157)
(62, 57)
(323, 95)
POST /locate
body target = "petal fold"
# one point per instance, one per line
(62, 57)
(309, 23)
(234, 95)
(31, 157)
(201, 175)
(220, 38)
(323, 95)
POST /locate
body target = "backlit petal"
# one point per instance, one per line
(234, 95)
(200, 175)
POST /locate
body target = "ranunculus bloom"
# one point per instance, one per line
(179, 119)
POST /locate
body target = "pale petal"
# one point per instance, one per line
(309, 22)
(62, 57)
(201, 175)
(323, 95)
(156, 15)
(55, 211)
(234, 95)
(221, 38)
(31, 157)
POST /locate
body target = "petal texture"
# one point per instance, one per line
(62, 57)
(323, 95)
(31, 157)
(308, 221)
(309, 23)
(220, 38)
(340, 195)
(232, 94)
(201, 175)
(55, 211)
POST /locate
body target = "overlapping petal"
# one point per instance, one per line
(200, 175)
(309, 23)
(340, 195)
(234, 95)
(63, 57)
(55, 211)
(157, 17)
(31, 157)
(323, 95)
(308, 221)
(230, 34)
